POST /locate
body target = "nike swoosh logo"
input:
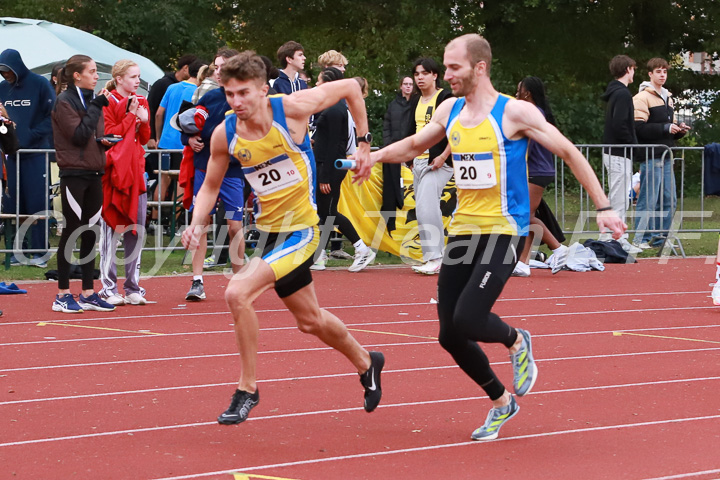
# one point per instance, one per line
(372, 387)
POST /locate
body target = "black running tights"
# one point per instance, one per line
(327, 208)
(474, 271)
(82, 199)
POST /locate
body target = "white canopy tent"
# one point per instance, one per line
(42, 44)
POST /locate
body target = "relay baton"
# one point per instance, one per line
(344, 164)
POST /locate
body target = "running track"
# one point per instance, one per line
(134, 394)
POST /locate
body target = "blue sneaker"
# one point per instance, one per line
(495, 419)
(524, 367)
(94, 302)
(66, 304)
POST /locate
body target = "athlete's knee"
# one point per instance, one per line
(237, 296)
(450, 339)
(310, 322)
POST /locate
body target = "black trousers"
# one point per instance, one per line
(474, 271)
(327, 209)
(82, 200)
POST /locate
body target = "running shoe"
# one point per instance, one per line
(341, 255)
(495, 419)
(431, 267)
(524, 367)
(319, 264)
(38, 261)
(642, 245)
(114, 299)
(629, 247)
(362, 260)
(66, 303)
(370, 380)
(521, 270)
(94, 302)
(558, 259)
(196, 292)
(135, 299)
(240, 406)
(210, 262)
(716, 294)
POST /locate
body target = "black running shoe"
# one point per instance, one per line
(240, 406)
(371, 381)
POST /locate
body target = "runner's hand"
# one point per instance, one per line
(609, 220)
(191, 236)
(364, 163)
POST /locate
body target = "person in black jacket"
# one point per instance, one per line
(78, 128)
(395, 127)
(619, 130)
(431, 169)
(330, 142)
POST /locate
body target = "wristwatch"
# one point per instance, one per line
(367, 138)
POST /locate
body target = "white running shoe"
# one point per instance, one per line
(135, 299)
(320, 262)
(521, 270)
(629, 247)
(716, 294)
(362, 260)
(341, 255)
(558, 259)
(115, 299)
(431, 267)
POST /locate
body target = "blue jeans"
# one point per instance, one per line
(657, 200)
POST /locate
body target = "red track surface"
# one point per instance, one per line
(112, 401)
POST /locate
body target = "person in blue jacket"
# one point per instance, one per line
(29, 99)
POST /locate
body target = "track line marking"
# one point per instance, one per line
(42, 324)
(447, 445)
(380, 305)
(341, 410)
(391, 333)
(686, 475)
(620, 334)
(534, 315)
(316, 377)
(250, 476)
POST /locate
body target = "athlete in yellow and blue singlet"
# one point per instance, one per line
(282, 176)
(490, 176)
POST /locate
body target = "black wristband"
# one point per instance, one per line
(604, 209)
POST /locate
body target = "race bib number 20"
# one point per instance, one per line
(272, 176)
(474, 171)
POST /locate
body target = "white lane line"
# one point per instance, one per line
(686, 475)
(300, 350)
(446, 445)
(354, 409)
(340, 307)
(337, 375)
(521, 316)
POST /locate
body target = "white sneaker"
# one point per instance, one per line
(341, 255)
(642, 246)
(716, 294)
(629, 247)
(135, 299)
(362, 260)
(558, 259)
(115, 299)
(431, 267)
(521, 270)
(320, 262)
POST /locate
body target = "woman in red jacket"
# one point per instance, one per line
(124, 188)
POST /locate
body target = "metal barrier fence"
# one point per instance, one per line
(666, 205)
(663, 169)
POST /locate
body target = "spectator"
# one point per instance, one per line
(541, 173)
(396, 122)
(291, 56)
(8, 142)
(29, 100)
(231, 189)
(272, 73)
(206, 82)
(431, 170)
(619, 130)
(331, 138)
(78, 128)
(169, 137)
(655, 124)
(158, 89)
(124, 186)
(57, 86)
(334, 59)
